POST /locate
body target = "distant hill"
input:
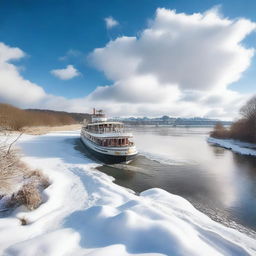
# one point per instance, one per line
(174, 121)
(78, 117)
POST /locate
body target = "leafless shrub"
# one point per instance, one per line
(220, 131)
(248, 111)
(18, 183)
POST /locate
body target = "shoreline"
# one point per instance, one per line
(236, 146)
(40, 130)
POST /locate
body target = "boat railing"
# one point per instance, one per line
(106, 130)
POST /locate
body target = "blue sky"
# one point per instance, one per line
(47, 30)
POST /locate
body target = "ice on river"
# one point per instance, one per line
(235, 145)
(85, 213)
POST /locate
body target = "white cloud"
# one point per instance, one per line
(177, 57)
(66, 73)
(137, 89)
(13, 87)
(180, 65)
(110, 22)
(199, 51)
(10, 53)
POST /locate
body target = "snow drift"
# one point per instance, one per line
(85, 213)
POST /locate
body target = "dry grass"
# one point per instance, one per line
(19, 185)
(28, 192)
(28, 195)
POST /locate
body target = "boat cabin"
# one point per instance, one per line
(105, 127)
(108, 134)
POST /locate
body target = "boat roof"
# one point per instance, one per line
(99, 123)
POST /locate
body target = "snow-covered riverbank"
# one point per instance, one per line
(85, 213)
(236, 146)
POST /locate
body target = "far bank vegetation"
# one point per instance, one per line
(16, 119)
(243, 129)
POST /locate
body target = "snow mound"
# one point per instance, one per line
(85, 213)
(236, 146)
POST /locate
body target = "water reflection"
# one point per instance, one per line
(218, 151)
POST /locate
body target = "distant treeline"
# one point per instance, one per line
(243, 129)
(13, 118)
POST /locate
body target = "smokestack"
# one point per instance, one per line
(94, 111)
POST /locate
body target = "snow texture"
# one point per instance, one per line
(235, 145)
(85, 213)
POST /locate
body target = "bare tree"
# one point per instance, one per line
(8, 158)
(248, 111)
(248, 123)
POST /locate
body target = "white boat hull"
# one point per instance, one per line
(110, 154)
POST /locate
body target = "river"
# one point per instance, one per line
(216, 181)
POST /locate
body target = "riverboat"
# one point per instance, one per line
(107, 140)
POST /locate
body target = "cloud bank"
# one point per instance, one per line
(180, 65)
